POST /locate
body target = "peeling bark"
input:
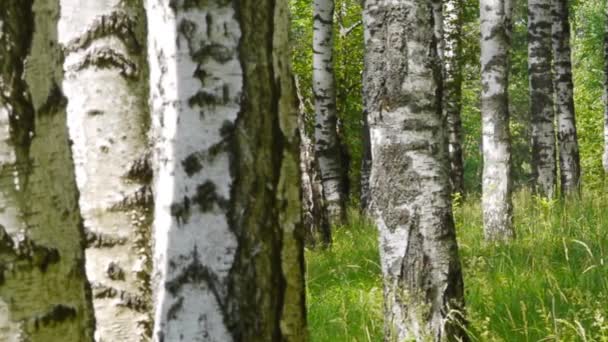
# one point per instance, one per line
(327, 143)
(497, 184)
(106, 85)
(544, 166)
(228, 254)
(44, 294)
(452, 93)
(569, 160)
(409, 182)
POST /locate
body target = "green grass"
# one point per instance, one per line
(551, 284)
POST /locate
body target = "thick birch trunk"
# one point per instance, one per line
(366, 165)
(496, 141)
(44, 295)
(409, 177)
(569, 162)
(544, 166)
(452, 92)
(327, 144)
(106, 86)
(228, 258)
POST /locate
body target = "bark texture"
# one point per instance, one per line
(228, 256)
(605, 156)
(544, 166)
(44, 294)
(106, 84)
(497, 183)
(327, 143)
(409, 182)
(314, 214)
(569, 160)
(452, 90)
(366, 164)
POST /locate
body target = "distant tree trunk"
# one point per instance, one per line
(569, 162)
(228, 256)
(605, 156)
(44, 294)
(314, 213)
(452, 94)
(497, 184)
(106, 86)
(544, 167)
(327, 143)
(409, 176)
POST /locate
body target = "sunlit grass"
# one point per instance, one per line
(551, 284)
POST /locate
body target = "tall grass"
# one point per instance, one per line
(550, 284)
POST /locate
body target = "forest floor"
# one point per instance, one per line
(550, 284)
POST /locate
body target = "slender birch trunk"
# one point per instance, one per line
(106, 86)
(605, 156)
(497, 183)
(228, 254)
(314, 214)
(544, 166)
(569, 160)
(452, 92)
(327, 144)
(409, 177)
(44, 294)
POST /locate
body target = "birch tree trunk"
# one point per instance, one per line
(497, 184)
(569, 160)
(544, 166)
(409, 182)
(106, 86)
(605, 156)
(366, 165)
(228, 253)
(314, 213)
(452, 93)
(44, 294)
(327, 144)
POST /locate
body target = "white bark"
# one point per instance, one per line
(106, 87)
(569, 159)
(605, 156)
(228, 250)
(496, 179)
(44, 295)
(544, 166)
(452, 94)
(327, 143)
(409, 182)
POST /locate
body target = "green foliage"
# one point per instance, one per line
(344, 293)
(549, 284)
(588, 59)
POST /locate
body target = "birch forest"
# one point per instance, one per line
(303, 170)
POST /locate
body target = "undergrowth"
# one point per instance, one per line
(550, 284)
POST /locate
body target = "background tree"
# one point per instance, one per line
(452, 90)
(410, 179)
(569, 160)
(44, 294)
(605, 156)
(544, 167)
(227, 267)
(327, 143)
(495, 17)
(106, 86)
